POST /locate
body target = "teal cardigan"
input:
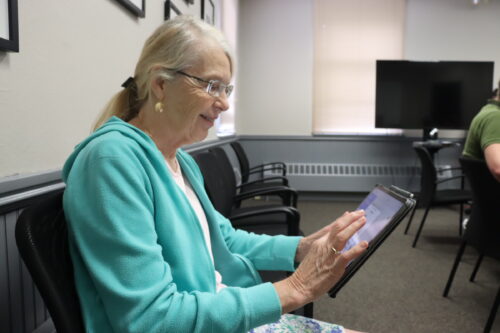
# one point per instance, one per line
(141, 263)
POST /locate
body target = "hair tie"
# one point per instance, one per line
(129, 82)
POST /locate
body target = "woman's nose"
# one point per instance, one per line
(222, 102)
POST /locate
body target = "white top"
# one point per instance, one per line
(185, 186)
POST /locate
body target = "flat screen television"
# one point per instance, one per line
(426, 95)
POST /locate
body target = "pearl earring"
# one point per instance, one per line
(159, 107)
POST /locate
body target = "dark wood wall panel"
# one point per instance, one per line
(21, 307)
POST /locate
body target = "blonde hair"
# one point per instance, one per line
(173, 46)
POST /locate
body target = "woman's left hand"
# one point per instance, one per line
(305, 243)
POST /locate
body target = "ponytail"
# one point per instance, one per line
(124, 104)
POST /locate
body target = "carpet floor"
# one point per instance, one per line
(399, 289)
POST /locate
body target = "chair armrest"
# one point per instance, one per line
(289, 195)
(273, 164)
(438, 170)
(450, 178)
(268, 167)
(292, 217)
(256, 170)
(284, 181)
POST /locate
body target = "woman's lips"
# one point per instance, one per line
(207, 118)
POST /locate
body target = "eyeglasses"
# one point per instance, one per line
(214, 87)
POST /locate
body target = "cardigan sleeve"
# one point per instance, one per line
(266, 252)
(110, 214)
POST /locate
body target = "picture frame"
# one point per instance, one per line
(170, 10)
(136, 7)
(9, 31)
(208, 11)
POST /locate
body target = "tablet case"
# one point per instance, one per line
(408, 201)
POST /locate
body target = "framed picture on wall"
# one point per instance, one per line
(136, 7)
(9, 26)
(208, 11)
(171, 10)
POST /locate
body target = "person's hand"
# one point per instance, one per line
(324, 264)
(306, 242)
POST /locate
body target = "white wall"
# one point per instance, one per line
(276, 41)
(74, 55)
(453, 30)
(275, 67)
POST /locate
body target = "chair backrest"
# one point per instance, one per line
(428, 176)
(220, 182)
(483, 228)
(42, 240)
(242, 160)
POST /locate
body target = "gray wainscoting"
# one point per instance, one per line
(346, 164)
(21, 306)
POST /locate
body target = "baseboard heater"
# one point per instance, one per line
(349, 177)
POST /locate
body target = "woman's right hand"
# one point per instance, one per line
(321, 268)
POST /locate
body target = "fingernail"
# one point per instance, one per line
(364, 244)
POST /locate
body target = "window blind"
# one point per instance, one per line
(349, 36)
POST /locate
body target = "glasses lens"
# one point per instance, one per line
(216, 88)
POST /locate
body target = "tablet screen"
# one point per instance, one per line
(380, 207)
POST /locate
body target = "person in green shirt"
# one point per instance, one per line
(483, 139)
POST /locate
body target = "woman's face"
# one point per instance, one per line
(191, 111)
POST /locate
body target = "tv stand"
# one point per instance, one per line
(433, 146)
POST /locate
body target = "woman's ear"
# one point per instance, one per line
(158, 88)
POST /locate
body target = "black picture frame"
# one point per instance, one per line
(170, 10)
(11, 42)
(133, 8)
(208, 11)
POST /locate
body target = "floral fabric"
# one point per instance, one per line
(289, 323)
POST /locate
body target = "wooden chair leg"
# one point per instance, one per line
(454, 268)
(417, 236)
(493, 312)
(476, 268)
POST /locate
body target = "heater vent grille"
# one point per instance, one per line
(349, 170)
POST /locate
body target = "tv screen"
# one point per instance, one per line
(423, 95)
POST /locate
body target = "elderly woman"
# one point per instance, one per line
(150, 252)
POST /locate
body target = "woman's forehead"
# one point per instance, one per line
(213, 63)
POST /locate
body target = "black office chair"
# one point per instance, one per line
(483, 228)
(256, 173)
(220, 184)
(42, 240)
(287, 194)
(431, 196)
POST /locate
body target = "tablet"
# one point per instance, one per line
(384, 209)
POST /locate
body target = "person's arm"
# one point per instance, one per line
(319, 269)
(266, 252)
(492, 157)
(111, 215)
